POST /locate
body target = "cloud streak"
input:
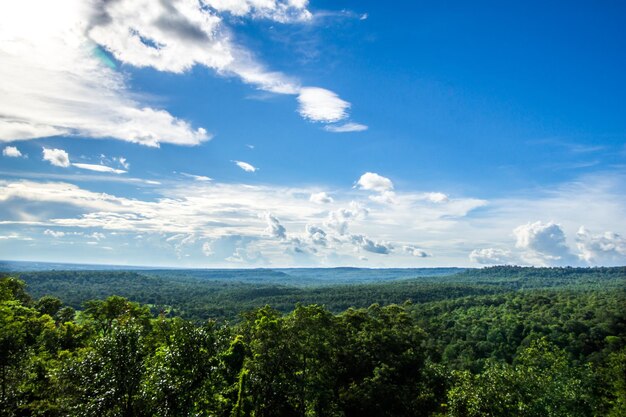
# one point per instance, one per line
(99, 168)
(346, 128)
(246, 166)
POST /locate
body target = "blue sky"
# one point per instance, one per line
(247, 133)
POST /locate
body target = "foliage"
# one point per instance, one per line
(477, 346)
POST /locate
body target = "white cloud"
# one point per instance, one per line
(492, 256)
(543, 243)
(417, 252)
(201, 178)
(385, 197)
(321, 198)
(321, 105)
(607, 248)
(55, 81)
(245, 166)
(99, 168)
(207, 249)
(123, 162)
(370, 246)
(280, 11)
(57, 157)
(247, 255)
(316, 235)
(14, 236)
(274, 228)
(213, 211)
(437, 197)
(374, 182)
(56, 78)
(11, 152)
(346, 127)
(97, 236)
(54, 233)
(340, 219)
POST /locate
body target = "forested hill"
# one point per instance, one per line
(224, 294)
(499, 342)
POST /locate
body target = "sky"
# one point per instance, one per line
(295, 133)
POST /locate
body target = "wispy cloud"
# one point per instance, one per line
(542, 228)
(246, 166)
(56, 79)
(346, 127)
(99, 168)
(201, 178)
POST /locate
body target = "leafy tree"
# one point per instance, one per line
(382, 364)
(20, 327)
(115, 309)
(181, 375)
(542, 382)
(105, 380)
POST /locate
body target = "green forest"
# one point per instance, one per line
(502, 341)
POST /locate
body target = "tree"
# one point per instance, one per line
(181, 376)
(105, 380)
(540, 383)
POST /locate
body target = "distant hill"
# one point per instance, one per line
(225, 293)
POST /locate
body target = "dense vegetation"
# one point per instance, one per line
(495, 342)
(223, 294)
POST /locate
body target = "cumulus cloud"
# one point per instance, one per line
(543, 243)
(321, 198)
(374, 182)
(492, 256)
(417, 252)
(274, 228)
(370, 246)
(246, 166)
(346, 128)
(340, 219)
(11, 152)
(57, 157)
(99, 168)
(321, 105)
(607, 248)
(316, 235)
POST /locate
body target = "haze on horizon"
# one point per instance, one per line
(302, 133)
